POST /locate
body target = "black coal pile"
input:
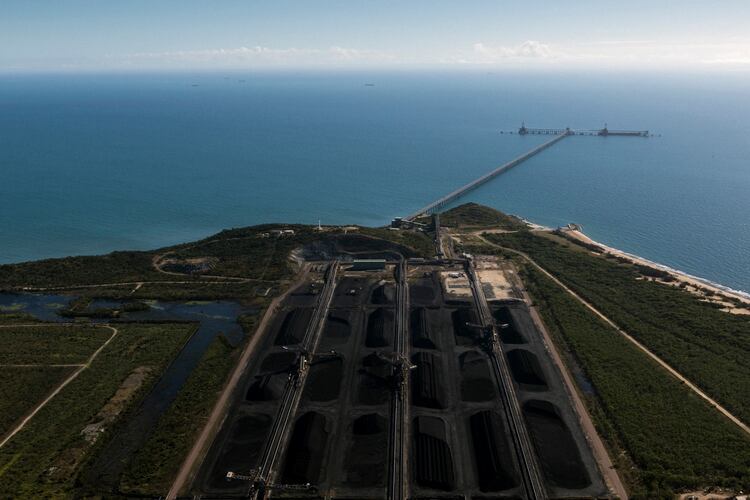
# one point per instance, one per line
(375, 379)
(496, 468)
(476, 380)
(366, 457)
(462, 319)
(433, 460)
(378, 328)
(293, 327)
(427, 386)
(555, 446)
(324, 381)
(421, 337)
(305, 450)
(527, 371)
(510, 333)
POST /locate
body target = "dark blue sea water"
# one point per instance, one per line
(93, 163)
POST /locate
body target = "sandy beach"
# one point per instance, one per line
(707, 290)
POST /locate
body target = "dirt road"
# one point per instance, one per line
(193, 459)
(65, 382)
(739, 423)
(596, 444)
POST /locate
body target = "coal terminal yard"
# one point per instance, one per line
(398, 397)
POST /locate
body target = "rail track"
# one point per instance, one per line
(398, 442)
(531, 476)
(293, 391)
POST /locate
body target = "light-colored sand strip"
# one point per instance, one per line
(65, 382)
(677, 274)
(739, 423)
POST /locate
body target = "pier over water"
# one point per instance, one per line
(454, 195)
(559, 134)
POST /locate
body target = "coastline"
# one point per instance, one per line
(696, 283)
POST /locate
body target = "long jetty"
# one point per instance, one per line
(454, 195)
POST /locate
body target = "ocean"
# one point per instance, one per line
(95, 163)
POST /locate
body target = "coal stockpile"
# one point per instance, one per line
(526, 370)
(432, 454)
(269, 387)
(337, 328)
(242, 451)
(422, 293)
(274, 373)
(353, 245)
(421, 336)
(351, 292)
(464, 334)
(375, 379)
(379, 328)
(383, 294)
(426, 381)
(278, 361)
(555, 446)
(293, 327)
(496, 469)
(477, 383)
(508, 334)
(324, 380)
(305, 451)
(367, 454)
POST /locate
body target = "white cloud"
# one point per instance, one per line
(528, 49)
(241, 57)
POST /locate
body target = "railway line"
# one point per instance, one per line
(533, 483)
(398, 442)
(263, 479)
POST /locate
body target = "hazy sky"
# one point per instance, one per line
(191, 34)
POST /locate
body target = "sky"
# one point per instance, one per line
(133, 35)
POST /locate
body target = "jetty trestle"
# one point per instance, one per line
(559, 133)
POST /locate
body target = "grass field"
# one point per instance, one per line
(50, 344)
(44, 459)
(673, 438)
(154, 467)
(23, 388)
(710, 347)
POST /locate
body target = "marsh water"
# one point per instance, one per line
(213, 317)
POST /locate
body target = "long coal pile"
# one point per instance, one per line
(495, 466)
(557, 450)
(306, 448)
(427, 384)
(421, 337)
(434, 463)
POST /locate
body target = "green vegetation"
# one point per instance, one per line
(707, 345)
(418, 242)
(50, 344)
(43, 460)
(111, 268)
(154, 467)
(79, 308)
(21, 388)
(472, 215)
(674, 438)
(253, 253)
